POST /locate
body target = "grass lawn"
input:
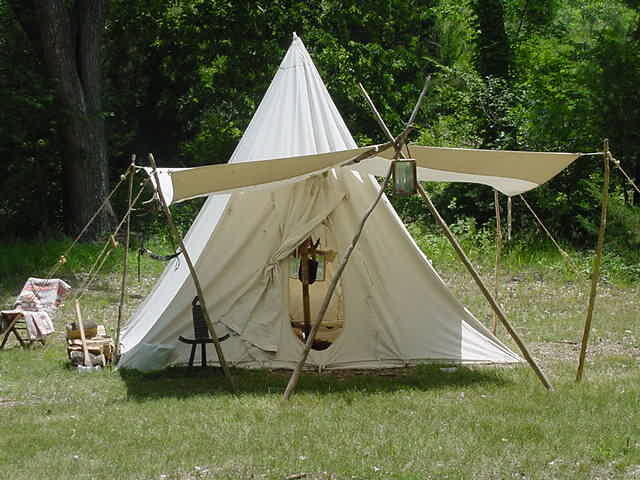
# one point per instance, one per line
(418, 423)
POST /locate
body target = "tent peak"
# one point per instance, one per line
(295, 35)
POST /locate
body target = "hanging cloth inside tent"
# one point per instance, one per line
(311, 262)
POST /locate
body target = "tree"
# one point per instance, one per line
(67, 37)
(494, 53)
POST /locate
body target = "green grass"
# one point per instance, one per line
(528, 250)
(407, 424)
(490, 423)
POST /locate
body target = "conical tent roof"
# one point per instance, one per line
(395, 308)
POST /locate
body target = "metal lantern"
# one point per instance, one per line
(404, 177)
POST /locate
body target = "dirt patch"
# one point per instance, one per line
(569, 351)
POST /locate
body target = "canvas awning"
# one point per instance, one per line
(179, 184)
(510, 172)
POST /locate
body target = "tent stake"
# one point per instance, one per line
(125, 267)
(494, 305)
(178, 238)
(597, 261)
(295, 376)
(496, 201)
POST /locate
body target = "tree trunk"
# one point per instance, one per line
(494, 52)
(68, 40)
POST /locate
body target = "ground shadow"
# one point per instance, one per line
(180, 382)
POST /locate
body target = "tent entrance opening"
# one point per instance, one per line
(320, 266)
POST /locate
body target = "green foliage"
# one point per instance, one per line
(623, 225)
(531, 248)
(494, 51)
(182, 80)
(30, 199)
(20, 260)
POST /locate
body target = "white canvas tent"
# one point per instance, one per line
(392, 307)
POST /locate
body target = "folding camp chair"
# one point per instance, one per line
(200, 332)
(33, 311)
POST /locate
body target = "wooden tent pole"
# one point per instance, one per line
(485, 291)
(597, 261)
(306, 302)
(496, 201)
(125, 268)
(178, 238)
(295, 376)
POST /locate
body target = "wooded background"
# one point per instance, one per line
(86, 83)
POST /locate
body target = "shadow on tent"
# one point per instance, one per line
(180, 382)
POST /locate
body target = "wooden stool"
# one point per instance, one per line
(201, 333)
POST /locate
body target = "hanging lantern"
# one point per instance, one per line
(404, 177)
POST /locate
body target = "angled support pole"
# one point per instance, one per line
(597, 261)
(463, 257)
(397, 144)
(178, 238)
(485, 291)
